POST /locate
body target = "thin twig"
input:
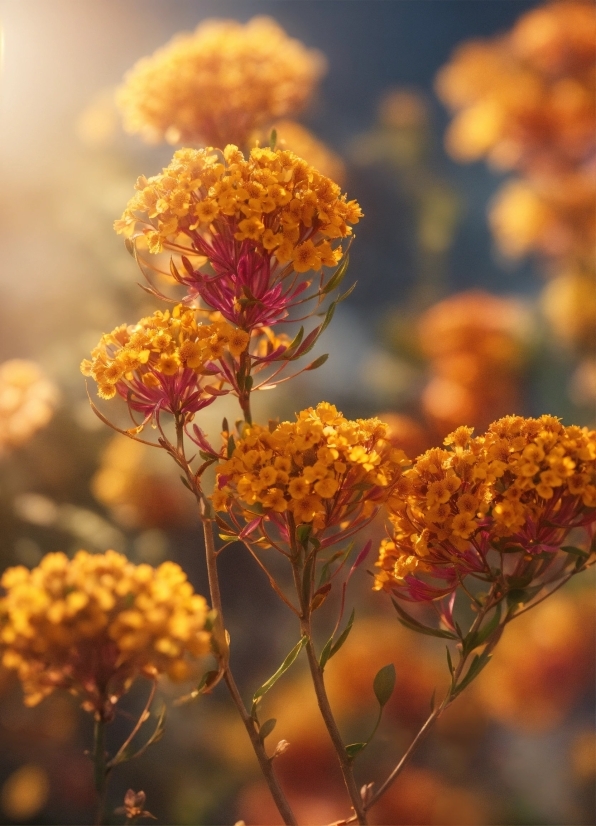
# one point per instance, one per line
(144, 715)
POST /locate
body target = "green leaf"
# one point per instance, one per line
(273, 139)
(331, 649)
(325, 575)
(337, 276)
(266, 729)
(302, 534)
(478, 663)
(248, 383)
(260, 692)
(294, 344)
(231, 446)
(347, 293)
(185, 483)
(449, 661)
(414, 625)
(570, 549)
(206, 681)
(328, 317)
(317, 362)
(474, 640)
(353, 749)
(306, 579)
(384, 683)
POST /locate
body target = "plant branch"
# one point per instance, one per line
(101, 770)
(323, 701)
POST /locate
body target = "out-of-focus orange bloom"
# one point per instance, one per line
(406, 434)
(27, 401)
(403, 109)
(569, 303)
(553, 216)
(542, 664)
(526, 100)
(301, 141)
(476, 344)
(218, 84)
(423, 797)
(139, 487)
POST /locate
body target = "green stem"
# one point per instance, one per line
(265, 763)
(100, 773)
(434, 715)
(323, 701)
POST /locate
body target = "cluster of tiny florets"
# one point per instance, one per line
(528, 481)
(321, 469)
(219, 83)
(167, 351)
(274, 199)
(93, 623)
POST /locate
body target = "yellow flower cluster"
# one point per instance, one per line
(322, 469)
(520, 479)
(526, 100)
(165, 344)
(27, 401)
(93, 623)
(274, 199)
(301, 141)
(219, 83)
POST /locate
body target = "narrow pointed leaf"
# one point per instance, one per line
(414, 625)
(260, 692)
(331, 648)
(317, 362)
(337, 276)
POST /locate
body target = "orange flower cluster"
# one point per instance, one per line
(273, 199)
(94, 623)
(27, 401)
(522, 486)
(251, 226)
(475, 342)
(322, 470)
(219, 83)
(527, 100)
(164, 362)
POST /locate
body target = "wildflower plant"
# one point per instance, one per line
(483, 522)
(478, 531)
